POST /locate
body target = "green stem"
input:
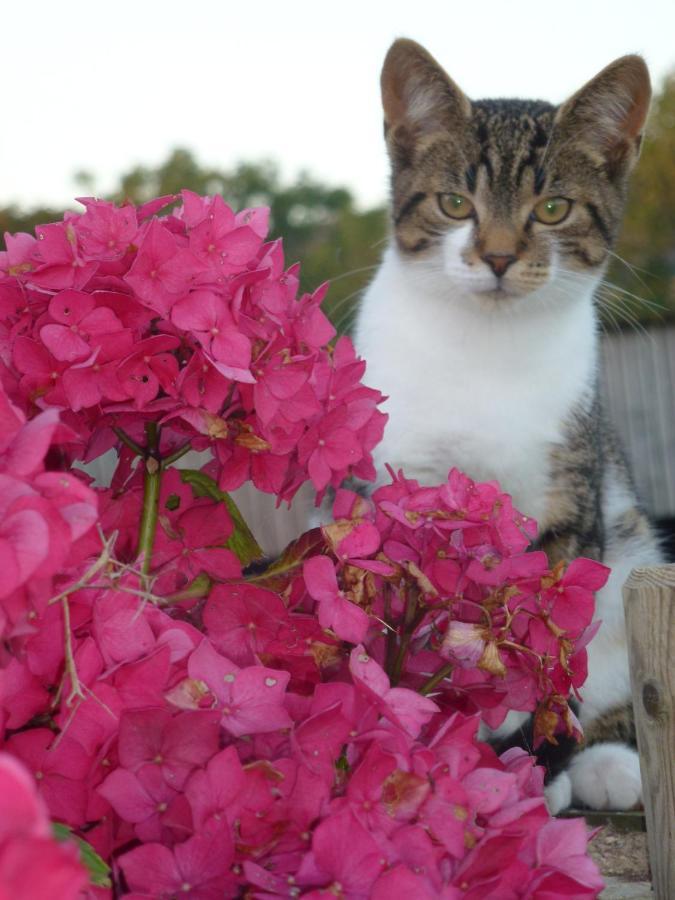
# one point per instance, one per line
(435, 679)
(242, 541)
(130, 442)
(151, 486)
(172, 457)
(412, 617)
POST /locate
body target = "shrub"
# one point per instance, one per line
(213, 724)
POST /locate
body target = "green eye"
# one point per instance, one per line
(455, 206)
(552, 211)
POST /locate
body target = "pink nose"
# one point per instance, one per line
(499, 262)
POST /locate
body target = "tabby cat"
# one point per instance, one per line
(482, 328)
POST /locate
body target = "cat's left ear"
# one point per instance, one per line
(608, 114)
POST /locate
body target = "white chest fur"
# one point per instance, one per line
(483, 389)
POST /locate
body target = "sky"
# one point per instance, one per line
(102, 86)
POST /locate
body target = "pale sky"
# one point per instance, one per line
(103, 86)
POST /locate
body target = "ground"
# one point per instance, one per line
(622, 857)
(621, 854)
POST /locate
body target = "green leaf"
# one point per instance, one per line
(198, 587)
(99, 871)
(280, 573)
(241, 542)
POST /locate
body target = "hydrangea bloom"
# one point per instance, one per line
(190, 319)
(208, 724)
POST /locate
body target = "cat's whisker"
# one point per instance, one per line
(632, 269)
(581, 276)
(610, 296)
(629, 317)
(609, 313)
(649, 304)
(354, 272)
(340, 322)
(619, 305)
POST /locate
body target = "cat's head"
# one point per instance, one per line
(501, 198)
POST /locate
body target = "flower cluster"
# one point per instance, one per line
(212, 725)
(192, 321)
(32, 864)
(473, 613)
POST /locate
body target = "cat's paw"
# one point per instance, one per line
(558, 793)
(606, 776)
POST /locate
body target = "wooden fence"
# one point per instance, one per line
(649, 600)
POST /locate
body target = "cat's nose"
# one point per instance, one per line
(499, 262)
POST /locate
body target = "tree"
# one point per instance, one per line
(647, 240)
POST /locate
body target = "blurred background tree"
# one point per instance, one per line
(338, 242)
(320, 224)
(647, 241)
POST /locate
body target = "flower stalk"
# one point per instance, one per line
(412, 616)
(151, 486)
(435, 679)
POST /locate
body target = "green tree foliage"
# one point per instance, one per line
(648, 237)
(13, 219)
(320, 224)
(337, 242)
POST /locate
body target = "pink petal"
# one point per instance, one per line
(29, 446)
(126, 795)
(320, 578)
(348, 621)
(232, 348)
(363, 540)
(22, 812)
(151, 868)
(366, 670)
(201, 310)
(70, 307)
(100, 321)
(27, 533)
(63, 343)
(586, 573)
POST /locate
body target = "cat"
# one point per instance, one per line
(481, 326)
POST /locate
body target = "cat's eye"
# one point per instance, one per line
(455, 205)
(552, 211)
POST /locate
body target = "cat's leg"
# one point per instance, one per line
(606, 773)
(606, 776)
(558, 793)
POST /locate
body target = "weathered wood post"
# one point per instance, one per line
(649, 603)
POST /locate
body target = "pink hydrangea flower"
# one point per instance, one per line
(212, 722)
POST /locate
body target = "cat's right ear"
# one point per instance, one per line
(418, 98)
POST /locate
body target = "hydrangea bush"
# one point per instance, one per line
(209, 724)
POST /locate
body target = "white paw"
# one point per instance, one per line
(606, 776)
(558, 793)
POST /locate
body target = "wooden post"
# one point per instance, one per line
(649, 603)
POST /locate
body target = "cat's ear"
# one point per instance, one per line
(417, 95)
(608, 114)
